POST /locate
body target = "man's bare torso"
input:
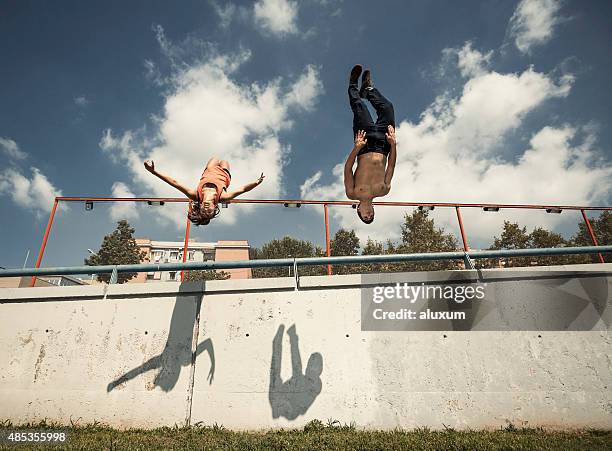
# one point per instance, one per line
(369, 175)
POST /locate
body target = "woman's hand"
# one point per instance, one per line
(150, 166)
(360, 140)
(391, 135)
(260, 179)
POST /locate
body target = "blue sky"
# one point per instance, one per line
(496, 101)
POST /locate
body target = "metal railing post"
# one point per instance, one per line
(114, 276)
(44, 241)
(296, 275)
(593, 237)
(463, 238)
(327, 244)
(185, 247)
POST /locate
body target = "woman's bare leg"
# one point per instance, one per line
(214, 161)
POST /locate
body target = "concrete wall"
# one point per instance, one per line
(267, 356)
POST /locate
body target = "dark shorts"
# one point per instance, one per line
(362, 120)
(376, 141)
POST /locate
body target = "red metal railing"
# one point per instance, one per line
(186, 246)
(326, 204)
(327, 244)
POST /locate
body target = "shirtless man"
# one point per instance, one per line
(375, 149)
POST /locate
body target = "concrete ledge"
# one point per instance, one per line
(48, 293)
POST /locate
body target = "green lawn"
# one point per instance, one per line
(316, 435)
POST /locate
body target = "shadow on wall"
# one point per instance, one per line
(177, 352)
(293, 397)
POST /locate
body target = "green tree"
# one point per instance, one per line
(287, 247)
(343, 243)
(542, 238)
(372, 247)
(197, 275)
(118, 248)
(512, 237)
(602, 229)
(515, 237)
(420, 235)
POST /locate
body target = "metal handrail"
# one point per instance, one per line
(304, 261)
(335, 202)
(326, 204)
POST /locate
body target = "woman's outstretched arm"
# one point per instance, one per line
(150, 166)
(243, 189)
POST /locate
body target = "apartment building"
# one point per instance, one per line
(172, 252)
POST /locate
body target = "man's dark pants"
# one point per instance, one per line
(362, 120)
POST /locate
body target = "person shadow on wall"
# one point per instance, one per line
(177, 352)
(293, 397)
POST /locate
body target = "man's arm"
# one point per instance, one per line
(243, 189)
(150, 166)
(392, 156)
(296, 359)
(349, 180)
(275, 364)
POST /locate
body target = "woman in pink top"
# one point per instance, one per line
(211, 189)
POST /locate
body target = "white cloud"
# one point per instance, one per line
(123, 210)
(225, 12)
(36, 193)
(208, 113)
(81, 101)
(533, 23)
(306, 90)
(11, 149)
(454, 153)
(125, 148)
(470, 62)
(310, 182)
(276, 16)
(490, 106)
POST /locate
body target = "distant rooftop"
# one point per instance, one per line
(193, 244)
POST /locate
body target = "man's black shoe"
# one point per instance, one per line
(366, 82)
(355, 73)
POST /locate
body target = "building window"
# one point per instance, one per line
(150, 276)
(157, 255)
(173, 255)
(172, 275)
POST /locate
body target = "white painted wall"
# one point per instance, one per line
(61, 347)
